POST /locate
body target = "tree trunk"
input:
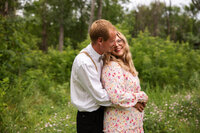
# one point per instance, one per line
(99, 9)
(14, 8)
(136, 27)
(168, 19)
(156, 18)
(44, 46)
(196, 4)
(91, 13)
(8, 7)
(61, 37)
(5, 12)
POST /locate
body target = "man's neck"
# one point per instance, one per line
(96, 47)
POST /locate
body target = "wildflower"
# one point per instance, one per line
(67, 117)
(46, 125)
(59, 130)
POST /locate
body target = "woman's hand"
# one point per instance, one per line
(140, 106)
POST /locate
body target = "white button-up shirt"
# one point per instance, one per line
(87, 93)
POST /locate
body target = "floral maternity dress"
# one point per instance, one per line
(124, 91)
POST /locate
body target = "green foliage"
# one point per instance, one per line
(163, 21)
(54, 14)
(29, 79)
(113, 11)
(58, 65)
(42, 85)
(83, 44)
(164, 62)
(15, 42)
(34, 86)
(3, 87)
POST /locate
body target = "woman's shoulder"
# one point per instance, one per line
(113, 64)
(112, 67)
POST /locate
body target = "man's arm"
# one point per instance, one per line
(90, 81)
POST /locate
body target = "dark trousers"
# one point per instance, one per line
(90, 122)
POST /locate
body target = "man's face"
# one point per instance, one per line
(108, 46)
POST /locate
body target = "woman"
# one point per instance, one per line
(119, 78)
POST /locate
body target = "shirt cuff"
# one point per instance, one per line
(141, 96)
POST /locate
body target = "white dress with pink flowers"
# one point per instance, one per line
(124, 91)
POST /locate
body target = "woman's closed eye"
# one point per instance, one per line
(119, 41)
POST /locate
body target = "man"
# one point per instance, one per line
(87, 93)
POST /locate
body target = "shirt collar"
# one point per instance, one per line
(94, 54)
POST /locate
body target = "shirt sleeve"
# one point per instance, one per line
(142, 96)
(114, 82)
(90, 81)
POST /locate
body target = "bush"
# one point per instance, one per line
(164, 62)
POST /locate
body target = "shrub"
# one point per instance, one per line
(164, 62)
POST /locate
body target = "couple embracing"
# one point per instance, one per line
(104, 86)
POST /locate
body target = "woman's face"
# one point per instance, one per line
(119, 48)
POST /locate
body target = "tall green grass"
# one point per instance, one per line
(169, 112)
(39, 111)
(52, 111)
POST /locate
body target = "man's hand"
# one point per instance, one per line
(140, 106)
(144, 104)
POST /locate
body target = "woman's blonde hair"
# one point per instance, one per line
(125, 61)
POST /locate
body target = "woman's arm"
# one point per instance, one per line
(114, 82)
(142, 96)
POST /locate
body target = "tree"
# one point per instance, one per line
(164, 21)
(91, 13)
(9, 7)
(196, 3)
(37, 13)
(113, 10)
(150, 18)
(44, 45)
(62, 16)
(100, 4)
(168, 16)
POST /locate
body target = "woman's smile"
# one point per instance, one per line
(119, 47)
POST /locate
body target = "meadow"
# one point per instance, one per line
(35, 93)
(39, 40)
(165, 112)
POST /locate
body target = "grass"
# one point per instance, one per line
(173, 112)
(49, 111)
(42, 111)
